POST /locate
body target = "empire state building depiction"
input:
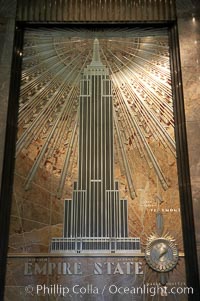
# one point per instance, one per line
(95, 219)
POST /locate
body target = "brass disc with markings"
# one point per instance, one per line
(161, 254)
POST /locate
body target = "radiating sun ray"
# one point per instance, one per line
(53, 61)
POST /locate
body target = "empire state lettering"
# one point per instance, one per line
(97, 268)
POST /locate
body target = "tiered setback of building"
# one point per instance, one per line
(96, 219)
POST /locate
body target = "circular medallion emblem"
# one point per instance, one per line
(161, 254)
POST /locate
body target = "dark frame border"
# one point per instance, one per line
(187, 215)
(188, 228)
(9, 154)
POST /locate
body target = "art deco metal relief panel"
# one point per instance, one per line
(96, 204)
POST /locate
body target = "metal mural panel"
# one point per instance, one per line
(96, 208)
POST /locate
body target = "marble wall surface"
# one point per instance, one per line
(189, 38)
(7, 27)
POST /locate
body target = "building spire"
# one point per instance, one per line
(96, 60)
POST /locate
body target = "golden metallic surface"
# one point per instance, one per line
(53, 61)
